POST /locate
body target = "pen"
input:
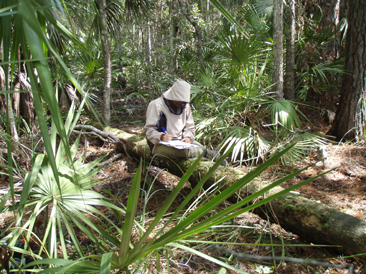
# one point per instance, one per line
(174, 138)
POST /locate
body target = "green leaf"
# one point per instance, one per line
(105, 264)
(132, 202)
(224, 12)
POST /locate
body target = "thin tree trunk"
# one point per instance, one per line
(16, 99)
(207, 10)
(118, 42)
(315, 222)
(350, 118)
(148, 42)
(171, 64)
(8, 105)
(198, 33)
(106, 63)
(140, 38)
(290, 51)
(2, 88)
(133, 34)
(277, 77)
(13, 129)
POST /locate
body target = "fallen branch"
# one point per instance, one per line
(108, 137)
(112, 159)
(350, 267)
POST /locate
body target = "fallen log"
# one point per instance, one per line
(165, 178)
(313, 221)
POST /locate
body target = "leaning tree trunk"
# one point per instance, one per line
(106, 63)
(350, 117)
(316, 222)
(277, 77)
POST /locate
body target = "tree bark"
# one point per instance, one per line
(315, 222)
(27, 109)
(198, 33)
(13, 129)
(8, 103)
(290, 51)
(277, 77)
(2, 88)
(106, 63)
(330, 19)
(148, 42)
(171, 63)
(16, 99)
(350, 118)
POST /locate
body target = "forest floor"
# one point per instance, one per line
(343, 188)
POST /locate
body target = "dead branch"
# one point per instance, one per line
(115, 157)
(350, 267)
(108, 137)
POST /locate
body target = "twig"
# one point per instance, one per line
(115, 157)
(350, 267)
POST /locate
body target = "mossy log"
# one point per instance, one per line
(311, 220)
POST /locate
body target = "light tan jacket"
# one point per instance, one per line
(177, 125)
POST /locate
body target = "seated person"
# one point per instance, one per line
(171, 112)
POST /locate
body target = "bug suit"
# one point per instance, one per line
(177, 120)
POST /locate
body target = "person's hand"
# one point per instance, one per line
(187, 140)
(166, 137)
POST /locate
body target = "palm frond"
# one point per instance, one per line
(137, 7)
(306, 143)
(207, 77)
(248, 145)
(283, 113)
(238, 48)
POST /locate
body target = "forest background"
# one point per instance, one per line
(259, 70)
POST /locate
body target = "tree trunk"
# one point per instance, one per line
(198, 33)
(148, 42)
(13, 129)
(16, 99)
(330, 19)
(118, 42)
(171, 64)
(106, 63)
(2, 88)
(290, 51)
(350, 118)
(207, 11)
(318, 223)
(8, 105)
(27, 109)
(277, 77)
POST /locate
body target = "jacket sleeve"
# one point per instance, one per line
(190, 129)
(152, 116)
